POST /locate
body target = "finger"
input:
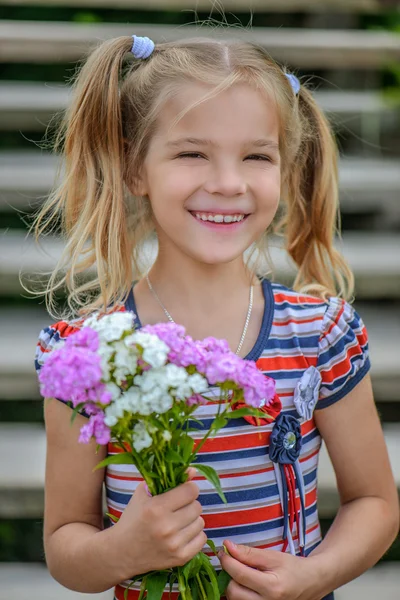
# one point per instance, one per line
(191, 531)
(235, 591)
(180, 496)
(186, 515)
(196, 545)
(191, 472)
(243, 574)
(253, 557)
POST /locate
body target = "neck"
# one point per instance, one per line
(198, 286)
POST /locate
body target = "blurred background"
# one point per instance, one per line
(350, 50)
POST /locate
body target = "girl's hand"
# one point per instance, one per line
(161, 532)
(268, 574)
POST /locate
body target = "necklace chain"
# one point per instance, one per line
(246, 325)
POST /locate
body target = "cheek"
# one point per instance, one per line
(171, 188)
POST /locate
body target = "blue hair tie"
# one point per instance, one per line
(294, 82)
(142, 47)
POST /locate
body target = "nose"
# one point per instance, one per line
(226, 180)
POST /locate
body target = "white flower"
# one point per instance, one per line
(148, 380)
(166, 435)
(110, 327)
(114, 391)
(133, 399)
(155, 351)
(175, 376)
(140, 437)
(198, 383)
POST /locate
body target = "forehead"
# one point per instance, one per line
(236, 115)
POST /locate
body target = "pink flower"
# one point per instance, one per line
(95, 428)
(73, 373)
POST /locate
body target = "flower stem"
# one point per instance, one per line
(202, 590)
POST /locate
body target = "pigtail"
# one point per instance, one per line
(312, 217)
(91, 199)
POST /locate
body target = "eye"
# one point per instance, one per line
(190, 155)
(258, 157)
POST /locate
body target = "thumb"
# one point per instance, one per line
(253, 557)
(142, 492)
(191, 473)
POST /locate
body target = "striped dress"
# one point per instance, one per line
(297, 332)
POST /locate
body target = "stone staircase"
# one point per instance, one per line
(368, 126)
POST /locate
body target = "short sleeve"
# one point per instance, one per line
(343, 358)
(50, 338)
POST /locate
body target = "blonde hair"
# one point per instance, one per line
(104, 138)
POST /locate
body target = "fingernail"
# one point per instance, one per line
(147, 490)
(221, 554)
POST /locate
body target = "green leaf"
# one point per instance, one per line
(219, 422)
(194, 590)
(186, 444)
(116, 459)
(223, 581)
(213, 547)
(244, 412)
(172, 580)
(192, 567)
(213, 590)
(173, 456)
(112, 517)
(156, 583)
(212, 476)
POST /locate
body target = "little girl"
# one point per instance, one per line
(207, 147)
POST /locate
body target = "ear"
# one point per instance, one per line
(135, 183)
(138, 187)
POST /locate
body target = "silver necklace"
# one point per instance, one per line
(152, 290)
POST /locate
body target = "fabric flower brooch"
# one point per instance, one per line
(306, 393)
(284, 451)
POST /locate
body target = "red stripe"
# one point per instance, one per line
(297, 321)
(252, 515)
(297, 299)
(336, 321)
(282, 363)
(337, 371)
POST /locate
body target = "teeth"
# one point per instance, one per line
(219, 218)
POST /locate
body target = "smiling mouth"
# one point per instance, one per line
(219, 218)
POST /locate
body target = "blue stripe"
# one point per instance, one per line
(244, 529)
(285, 374)
(209, 499)
(288, 305)
(297, 340)
(252, 528)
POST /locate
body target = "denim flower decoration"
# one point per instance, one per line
(285, 441)
(306, 393)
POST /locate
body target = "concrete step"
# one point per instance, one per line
(22, 472)
(359, 6)
(33, 581)
(305, 48)
(372, 256)
(366, 185)
(30, 105)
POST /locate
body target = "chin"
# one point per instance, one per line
(218, 257)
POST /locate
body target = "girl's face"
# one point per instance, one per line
(213, 180)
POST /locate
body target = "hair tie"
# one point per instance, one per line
(294, 82)
(142, 47)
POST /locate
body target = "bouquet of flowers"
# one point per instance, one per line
(141, 388)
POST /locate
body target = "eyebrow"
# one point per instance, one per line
(260, 143)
